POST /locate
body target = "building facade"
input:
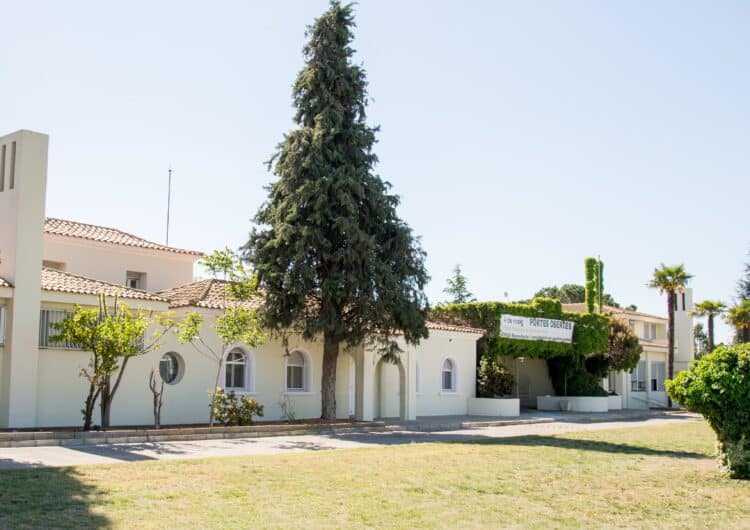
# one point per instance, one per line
(47, 266)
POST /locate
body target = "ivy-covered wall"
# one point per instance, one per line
(590, 332)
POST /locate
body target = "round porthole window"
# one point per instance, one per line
(170, 368)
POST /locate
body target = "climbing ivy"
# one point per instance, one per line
(590, 331)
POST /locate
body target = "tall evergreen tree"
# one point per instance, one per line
(331, 253)
(458, 289)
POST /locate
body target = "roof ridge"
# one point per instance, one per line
(115, 285)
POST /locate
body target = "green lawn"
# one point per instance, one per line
(655, 477)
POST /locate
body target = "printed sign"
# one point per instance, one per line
(529, 328)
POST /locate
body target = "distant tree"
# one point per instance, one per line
(743, 284)
(700, 340)
(710, 309)
(238, 323)
(333, 257)
(670, 280)
(457, 288)
(571, 293)
(739, 317)
(113, 334)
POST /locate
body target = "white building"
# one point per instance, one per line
(49, 265)
(644, 386)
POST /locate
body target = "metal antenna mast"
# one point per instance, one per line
(169, 201)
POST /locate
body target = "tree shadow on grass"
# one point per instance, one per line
(588, 445)
(48, 498)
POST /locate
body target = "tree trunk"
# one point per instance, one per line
(88, 411)
(213, 392)
(105, 403)
(328, 378)
(670, 341)
(710, 333)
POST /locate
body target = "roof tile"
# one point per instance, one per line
(61, 227)
(65, 282)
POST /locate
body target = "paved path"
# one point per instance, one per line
(24, 457)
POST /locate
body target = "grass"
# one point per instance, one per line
(663, 477)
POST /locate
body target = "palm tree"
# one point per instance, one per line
(739, 317)
(670, 280)
(710, 309)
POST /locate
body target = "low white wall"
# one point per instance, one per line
(614, 402)
(577, 403)
(494, 407)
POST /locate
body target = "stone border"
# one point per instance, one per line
(75, 438)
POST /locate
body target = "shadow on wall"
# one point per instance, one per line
(48, 498)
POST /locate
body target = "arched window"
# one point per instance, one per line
(449, 376)
(236, 370)
(296, 372)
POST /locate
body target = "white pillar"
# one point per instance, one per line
(22, 200)
(365, 385)
(410, 389)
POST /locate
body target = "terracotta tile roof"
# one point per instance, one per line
(65, 282)
(212, 294)
(581, 308)
(4, 283)
(449, 327)
(209, 294)
(61, 227)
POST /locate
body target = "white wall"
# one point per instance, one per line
(461, 347)
(110, 263)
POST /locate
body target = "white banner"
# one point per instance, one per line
(526, 328)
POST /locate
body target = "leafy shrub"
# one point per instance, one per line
(718, 387)
(570, 378)
(624, 347)
(229, 409)
(493, 379)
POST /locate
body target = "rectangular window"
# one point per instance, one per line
(658, 375)
(447, 381)
(47, 319)
(638, 377)
(683, 301)
(2, 325)
(12, 178)
(294, 378)
(135, 280)
(649, 331)
(631, 324)
(57, 265)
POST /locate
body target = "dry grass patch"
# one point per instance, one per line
(664, 477)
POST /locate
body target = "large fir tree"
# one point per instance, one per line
(332, 255)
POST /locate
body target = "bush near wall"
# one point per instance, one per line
(718, 386)
(566, 362)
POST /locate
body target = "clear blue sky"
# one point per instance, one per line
(521, 136)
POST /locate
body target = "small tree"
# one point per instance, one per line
(710, 309)
(238, 323)
(113, 335)
(624, 347)
(717, 386)
(670, 280)
(156, 385)
(457, 288)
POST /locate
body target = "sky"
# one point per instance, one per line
(521, 136)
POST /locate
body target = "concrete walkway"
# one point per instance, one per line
(25, 457)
